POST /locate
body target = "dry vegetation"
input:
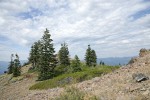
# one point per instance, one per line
(117, 85)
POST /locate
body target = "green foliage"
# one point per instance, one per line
(17, 67)
(101, 63)
(90, 57)
(47, 58)
(75, 64)
(64, 79)
(63, 55)
(35, 54)
(93, 58)
(11, 65)
(73, 93)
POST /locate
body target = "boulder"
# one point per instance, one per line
(139, 77)
(65, 81)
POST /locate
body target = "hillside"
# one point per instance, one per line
(117, 85)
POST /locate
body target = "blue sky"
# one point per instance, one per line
(113, 28)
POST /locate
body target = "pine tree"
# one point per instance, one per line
(88, 57)
(63, 55)
(11, 65)
(17, 67)
(47, 58)
(75, 64)
(102, 63)
(35, 54)
(93, 58)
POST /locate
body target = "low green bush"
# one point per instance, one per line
(65, 79)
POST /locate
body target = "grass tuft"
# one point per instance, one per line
(72, 93)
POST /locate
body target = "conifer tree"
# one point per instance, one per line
(63, 55)
(47, 58)
(93, 58)
(35, 54)
(102, 63)
(75, 64)
(11, 65)
(17, 67)
(88, 57)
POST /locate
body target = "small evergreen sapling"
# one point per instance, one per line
(17, 67)
(75, 64)
(11, 65)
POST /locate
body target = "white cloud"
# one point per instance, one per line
(109, 26)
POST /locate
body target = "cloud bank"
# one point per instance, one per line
(113, 28)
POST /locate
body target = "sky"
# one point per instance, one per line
(113, 28)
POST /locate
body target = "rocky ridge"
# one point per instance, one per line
(118, 85)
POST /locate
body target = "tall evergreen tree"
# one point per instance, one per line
(88, 57)
(63, 55)
(75, 64)
(93, 58)
(11, 65)
(35, 54)
(17, 67)
(47, 58)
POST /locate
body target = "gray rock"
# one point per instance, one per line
(139, 77)
(65, 81)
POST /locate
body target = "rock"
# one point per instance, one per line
(65, 81)
(139, 77)
(143, 52)
(146, 92)
(143, 89)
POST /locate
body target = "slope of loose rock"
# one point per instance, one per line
(120, 85)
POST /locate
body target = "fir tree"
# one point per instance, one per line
(88, 57)
(63, 55)
(11, 65)
(93, 58)
(17, 67)
(102, 63)
(75, 64)
(47, 58)
(35, 54)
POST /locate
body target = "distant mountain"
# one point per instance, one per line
(115, 60)
(4, 65)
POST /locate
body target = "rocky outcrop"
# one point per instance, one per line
(144, 52)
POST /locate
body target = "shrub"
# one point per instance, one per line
(65, 79)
